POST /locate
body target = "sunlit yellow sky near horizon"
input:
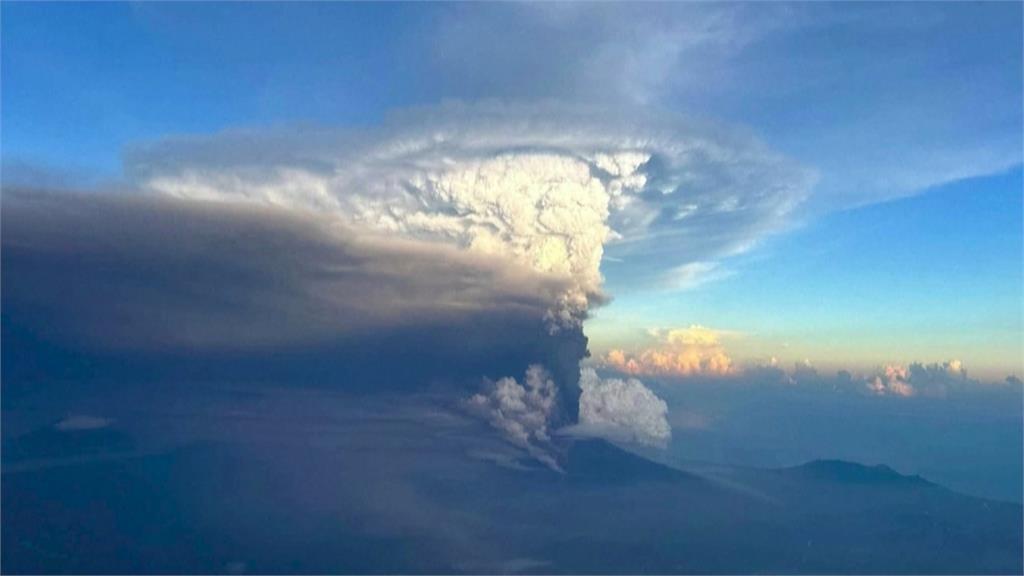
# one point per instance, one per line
(943, 283)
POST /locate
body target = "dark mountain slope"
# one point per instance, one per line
(842, 472)
(419, 504)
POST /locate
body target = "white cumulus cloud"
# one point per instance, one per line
(622, 409)
(547, 186)
(692, 351)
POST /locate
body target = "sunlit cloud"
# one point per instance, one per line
(697, 354)
(679, 352)
(893, 380)
(552, 187)
(624, 410)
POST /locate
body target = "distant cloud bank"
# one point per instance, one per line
(697, 353)
(625, 410)
(679, 352)
(935, 380)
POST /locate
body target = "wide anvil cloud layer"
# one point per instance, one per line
(548, 186)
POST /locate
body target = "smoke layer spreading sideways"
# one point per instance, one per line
(545, 191)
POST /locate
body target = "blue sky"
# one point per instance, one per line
(82, 81)
(926, 278)
(909, 115)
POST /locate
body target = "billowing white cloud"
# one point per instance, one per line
(689, 351)
(697, 354)
(622, 409)
(521, 412)
(525, 413)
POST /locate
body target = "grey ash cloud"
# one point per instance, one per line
(454, 243)
(148, 272)
(128, 285)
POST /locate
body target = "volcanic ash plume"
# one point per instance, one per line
(545, 187)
